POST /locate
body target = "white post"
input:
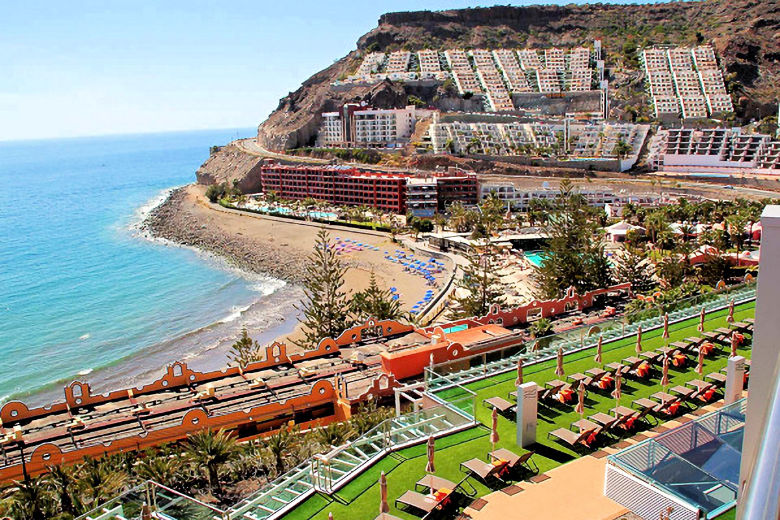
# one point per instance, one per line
(765, 362)
(735, 378)
(527, 395)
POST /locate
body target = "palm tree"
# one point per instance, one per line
(334, 434)
(280, 444)
(212, 451)
(31, 499)
(63, 484)
(458, 216)
(656, 223)
(163, 468)
(98, 481)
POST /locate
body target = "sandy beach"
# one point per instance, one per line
(279, 247)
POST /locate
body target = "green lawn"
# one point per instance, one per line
(360, 498)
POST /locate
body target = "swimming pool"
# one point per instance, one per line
(535, 257)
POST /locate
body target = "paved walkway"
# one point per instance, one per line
(573, 491)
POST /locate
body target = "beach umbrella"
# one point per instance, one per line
(559, 369)
(730, 317)
(430, 449)
(616, 392)
(666, 325)
(597, 358)
(700, 365)
(734, 344)
(383, 506)
(702, 314)
(494, 429)
(581, 399)
(665, 373)
(639, 339)
(519, 380)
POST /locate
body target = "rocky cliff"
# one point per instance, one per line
(229, 164)
(745, 33)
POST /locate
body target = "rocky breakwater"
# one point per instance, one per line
(183, 219)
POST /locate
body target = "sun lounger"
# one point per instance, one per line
(605, 420)
(584, 424)
(513, 459)
(716, 377)
(695, 340)
(484, 470)
(652, 356)
(571, 438)
(429, 482)
(419, 501)
(499, 403)
(386, 516)
(683, 391)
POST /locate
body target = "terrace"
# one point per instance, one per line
(344, 481)
(406, 466)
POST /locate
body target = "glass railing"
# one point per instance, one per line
(160, 501)
(698, 462)
(329, 472)
(446, 375)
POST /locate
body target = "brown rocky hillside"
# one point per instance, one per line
(745, 33)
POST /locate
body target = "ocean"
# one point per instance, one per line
(84, 294)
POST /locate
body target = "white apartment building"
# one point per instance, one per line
(462, 73)
(714, 150)
(361, 125)
(492, 81)
(519, 199)
(331, 130)
(398, 62)
(685, 81)
(514, 75)
(529, 59)
(571, 139)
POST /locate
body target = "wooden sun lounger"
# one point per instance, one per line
(513, 459)
(653, 356)
(481, 469)
(576, 378)
(571, 438)
(417, 501)
(499, 403)
(700, 385)
(584, 424)
(604, 419)
(386, 516)
(683, 391)
(695, 340)
(434, 482)
(717, 377)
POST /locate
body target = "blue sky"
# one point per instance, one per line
(74, 68)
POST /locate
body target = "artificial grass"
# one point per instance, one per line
(360, 498)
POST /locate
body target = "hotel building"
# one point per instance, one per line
(422, 194)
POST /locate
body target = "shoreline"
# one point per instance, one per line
(270, 249)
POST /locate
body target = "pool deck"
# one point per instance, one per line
(573, 491)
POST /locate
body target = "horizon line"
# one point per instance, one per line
(123, 134)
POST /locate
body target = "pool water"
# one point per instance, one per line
(535, 257)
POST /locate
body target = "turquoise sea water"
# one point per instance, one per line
(81, 293)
